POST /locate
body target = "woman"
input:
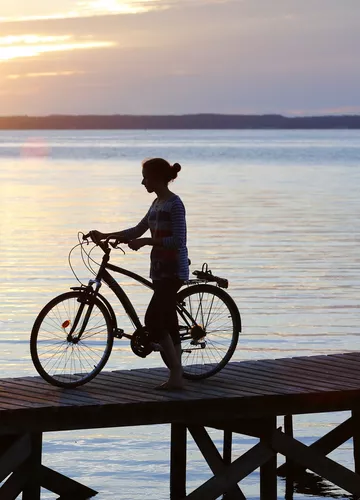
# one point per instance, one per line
(169, 265)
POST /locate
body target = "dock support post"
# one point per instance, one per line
(227, 449)
(356, 439)
(178, 462)
(32, 487)
(289, 431)
(268, 471)
(289, 464)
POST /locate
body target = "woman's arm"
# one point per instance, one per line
(127, 234)
(141, 242)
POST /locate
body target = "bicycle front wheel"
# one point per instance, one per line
(70, 360)
(210, 324)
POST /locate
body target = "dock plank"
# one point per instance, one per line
(323, 381)
(335, 374)
(265, 376)
(120, 397)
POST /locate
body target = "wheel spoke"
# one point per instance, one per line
(213, 312)
(70, 361)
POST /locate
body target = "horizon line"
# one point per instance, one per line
(52, 115)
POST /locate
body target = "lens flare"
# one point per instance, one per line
(35, 147)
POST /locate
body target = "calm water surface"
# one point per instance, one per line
(275, 212)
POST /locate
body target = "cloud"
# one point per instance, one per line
(42, 74)
(89, 8)
(41, 11)
(31, 45)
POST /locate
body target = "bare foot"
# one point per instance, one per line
(170, 386)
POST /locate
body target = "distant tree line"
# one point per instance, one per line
(191, 121)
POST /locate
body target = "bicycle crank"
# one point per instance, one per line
(140, 343)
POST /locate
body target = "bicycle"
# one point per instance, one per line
(72, 337)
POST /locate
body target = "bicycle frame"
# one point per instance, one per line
(104, 275)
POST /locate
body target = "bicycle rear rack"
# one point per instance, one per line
(206, 275)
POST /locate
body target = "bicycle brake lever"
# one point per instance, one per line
(85, 238)
(115, 244)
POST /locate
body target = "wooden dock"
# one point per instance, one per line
(245, 397)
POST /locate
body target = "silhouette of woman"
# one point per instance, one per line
(169, 265)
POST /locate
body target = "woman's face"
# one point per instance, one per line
(151, 184)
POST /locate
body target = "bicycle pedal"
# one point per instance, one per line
(119, 333)
(196, 343)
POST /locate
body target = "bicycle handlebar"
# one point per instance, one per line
(103, 244)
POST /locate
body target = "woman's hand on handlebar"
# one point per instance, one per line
(98, 238)
(95, 235)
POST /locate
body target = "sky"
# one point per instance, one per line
(294, 57)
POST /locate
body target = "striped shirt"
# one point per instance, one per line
(166, 221)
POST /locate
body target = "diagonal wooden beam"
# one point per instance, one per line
(231, 475)
(315, 461)
(329, 442)
(15, 483)
(17, 451)
(213, 458)
(335, 438)
(63, 485)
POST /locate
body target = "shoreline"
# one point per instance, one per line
(203, 121)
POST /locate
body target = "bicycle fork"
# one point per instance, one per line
(88, 298)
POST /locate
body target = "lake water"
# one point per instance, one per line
(275, 212)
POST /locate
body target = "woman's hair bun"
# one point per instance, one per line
(176, 167)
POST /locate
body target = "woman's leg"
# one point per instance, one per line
(171, 353)
(171, 343)
(162, 323)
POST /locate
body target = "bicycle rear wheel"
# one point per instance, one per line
(70, 360)
(210, 324)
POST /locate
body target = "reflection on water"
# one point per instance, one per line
(309, 484)
(275, 212)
